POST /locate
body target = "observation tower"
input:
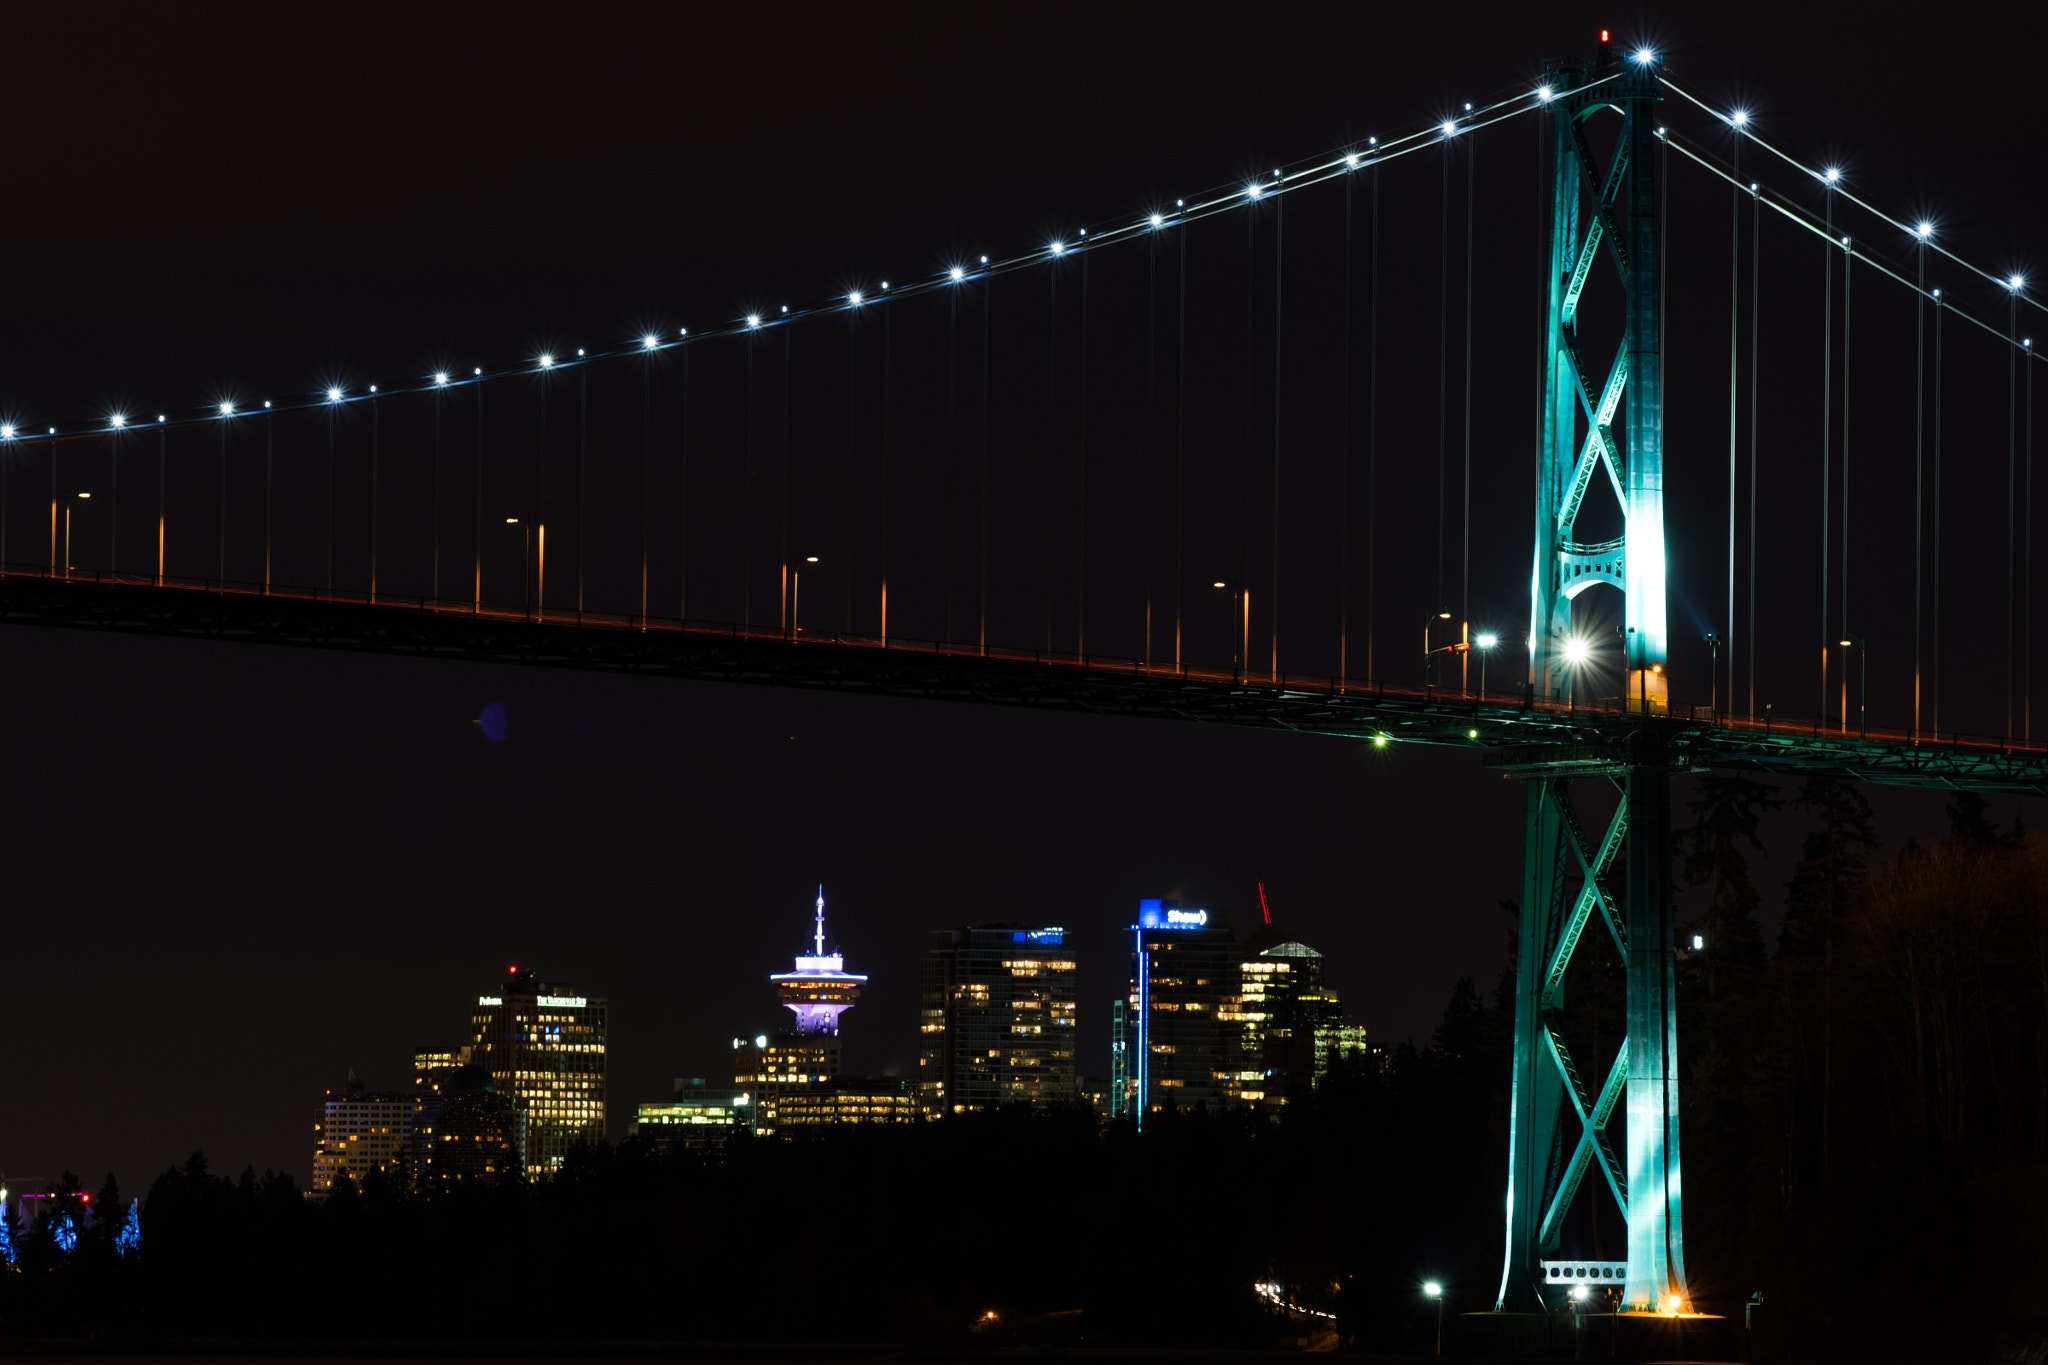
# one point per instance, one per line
(820, 988)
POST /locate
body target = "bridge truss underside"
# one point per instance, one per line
(1521, 740)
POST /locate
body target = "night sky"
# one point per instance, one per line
(236, 873)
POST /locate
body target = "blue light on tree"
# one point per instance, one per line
(6, 1235)
(66, 1233)
(129, 1238)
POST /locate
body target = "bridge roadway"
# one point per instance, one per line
(1510, 733)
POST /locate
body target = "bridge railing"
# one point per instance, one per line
(1281, 685)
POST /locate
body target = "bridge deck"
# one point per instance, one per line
(1515, 735)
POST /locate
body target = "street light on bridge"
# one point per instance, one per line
(1485, 643)
(1861, 645)
(1436, 1291)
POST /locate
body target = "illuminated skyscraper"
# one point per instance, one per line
(996, 1022)
(359, 1132)
(543, 1045)
(1184, 1000)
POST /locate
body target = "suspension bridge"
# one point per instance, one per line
(1063, 477)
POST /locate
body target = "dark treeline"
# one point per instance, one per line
(1865, 1136)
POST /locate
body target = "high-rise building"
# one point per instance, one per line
(996, 1019)
(780, 1059)
(543, 1046)
(695, 1118)
(800, 1110)
(1281, 1004)
(361, 1131)
(1184, 1000)
(468, 1136)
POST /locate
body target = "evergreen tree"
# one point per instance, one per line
(130, 1237)
(1726, 810)
(7, 1256)
(1967, 821)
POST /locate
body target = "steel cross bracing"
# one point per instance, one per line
(1592, 208)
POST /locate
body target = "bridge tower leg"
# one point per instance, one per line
(1557, 1126)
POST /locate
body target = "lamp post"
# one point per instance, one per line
(67, 535)
(1485, 644)
(796, 583)
(1861, 644)
(1428, 654)
(1436, 1291)
(525, 563)
(1241, 664)
(1714, 674)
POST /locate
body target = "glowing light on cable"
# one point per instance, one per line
(1487, 641)
(334, 395)
(6, 431)
(1449, 128)
(1351, 158)
(1924, 231)
(227, 409)
(1251, 191)
(1057, 248)
(547, 362)
(650, 341)
(440, 379)
(2016, 283)
(1832, 174)
(854, 298)
(117, 419)
(1644, 56)
(1157, 219)
(984, 260)
(1543, 93)
(1740, 118)
(958, 273)
(753, 319)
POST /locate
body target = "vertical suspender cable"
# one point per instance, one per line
(852, 392)
(1344, 449)
(1465, 483)
(1443, 365)
(477, 604)
(1081, 492)
(582, 475)
(988, 300)
(747, 501)
(162, 446)
(952, 440)
(1180, 442)
(434, 570)
(1848, 343)
(1663, 168)
(269, 467)
(1934, 602)
(787, 604)
(159, 502)
(332, 403)
(888, 322)
(683, 519)
(646, 461)
(221, 569)
(1052, 425)
(1919, 456)
(1372, 426)
(1734, 321)
(540, 597)
(1151, 413)
(2012, 383)
(2027, 567)
(1279, 255)
(1756, 276)
(1827, 414)
(1243, 654)
(376, 428)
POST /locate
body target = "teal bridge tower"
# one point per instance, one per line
(1602, 426)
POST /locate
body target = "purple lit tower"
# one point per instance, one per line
(820, 988)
